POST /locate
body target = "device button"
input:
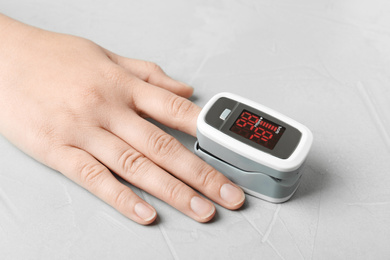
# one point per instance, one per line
(225, 114)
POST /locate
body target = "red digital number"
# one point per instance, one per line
(256, 135)
(247, 120)
(249, 117)
(241, 122)
(267, 136)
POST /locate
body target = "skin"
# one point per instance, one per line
(81, 109)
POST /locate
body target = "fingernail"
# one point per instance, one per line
(201, 207)
(144, 211)
(231, 194)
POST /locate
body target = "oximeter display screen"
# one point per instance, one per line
(258, 129)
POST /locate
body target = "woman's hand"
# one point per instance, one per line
(80, 109)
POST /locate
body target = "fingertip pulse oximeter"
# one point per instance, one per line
(259, 149)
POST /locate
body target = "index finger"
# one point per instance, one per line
(167, 108)
(181, 114)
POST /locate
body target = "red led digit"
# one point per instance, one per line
(241, 122)
(253, 119)
(247, 120)
(257, 133)
(246, 115)
(267, 136)
(261, 129)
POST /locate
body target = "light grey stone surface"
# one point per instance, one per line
(324, 63)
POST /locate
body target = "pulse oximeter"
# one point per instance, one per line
(256, 147)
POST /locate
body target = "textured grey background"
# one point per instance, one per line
(325, 63)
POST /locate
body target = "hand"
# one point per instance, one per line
(80, 109)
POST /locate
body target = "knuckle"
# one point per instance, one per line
(153, 67)
(120, 198)
(179, 107)
(91, 174)
(162, 144)
(91, 96)
(114, 75)
(133, 163)
(47, 134)
(207, 176)
(175, 190)
(87, 98)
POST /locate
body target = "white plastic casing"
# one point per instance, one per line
(290, 164)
